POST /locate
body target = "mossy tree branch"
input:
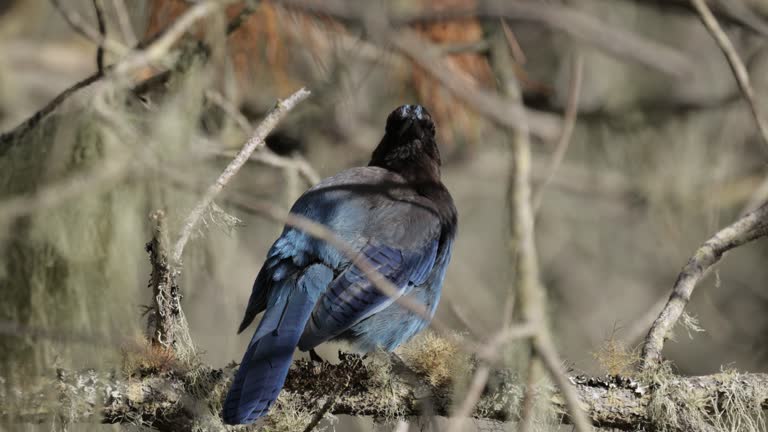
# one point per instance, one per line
(186, 400)
(750, 227)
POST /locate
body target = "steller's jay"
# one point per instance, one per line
(398, 215)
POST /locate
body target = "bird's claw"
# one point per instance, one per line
(315, 357)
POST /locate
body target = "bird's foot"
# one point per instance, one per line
(315, 357)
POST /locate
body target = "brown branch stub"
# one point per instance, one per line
(750, 227)
(166, 308)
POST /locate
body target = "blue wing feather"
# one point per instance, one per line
(351, 297)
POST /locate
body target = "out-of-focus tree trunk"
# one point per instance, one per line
(66, 269)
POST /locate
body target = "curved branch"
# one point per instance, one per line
(752, 226)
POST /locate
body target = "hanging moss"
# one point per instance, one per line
(66, 269)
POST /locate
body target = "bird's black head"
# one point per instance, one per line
(408, 146)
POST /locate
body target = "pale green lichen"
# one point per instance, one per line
(678, 405)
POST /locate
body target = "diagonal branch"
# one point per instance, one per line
(735, 62)
(751, 227)
(256, 141)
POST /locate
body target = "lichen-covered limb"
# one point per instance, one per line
(750, 227)
(166, 324)
(189, 400)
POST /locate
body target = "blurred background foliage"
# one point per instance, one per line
(655, 166)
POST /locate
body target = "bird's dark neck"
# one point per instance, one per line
(417, 171)
(423, 175)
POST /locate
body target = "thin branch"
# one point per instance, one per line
(265, 155)
(474, 393)
(124, 20)
(736, 64)
(569, 122)
(160, 47)
(81, 27)
(514, 45)
(738, 13)
(9, 138)
(579, 25)
(751, 227)
(530, 293)
(75, 21)
(99, 10)
(427, 56)
(533, 374)
(256, 141)
(318, 417)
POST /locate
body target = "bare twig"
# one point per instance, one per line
(7, 139)
(514, 45)
(569, 122)
(264, 155)
(750, 227)
(592, 30)
(76, 22)
(533, 374)
(487, 354)
(735, 62)
(738, 13)
(99, 10)
(474, 393)
(256, 141)
(124, 20)
(298, 163)
(81, 27)
(318, 417)
(427, 56)
(160, 47)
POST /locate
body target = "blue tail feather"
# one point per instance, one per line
(266, 362)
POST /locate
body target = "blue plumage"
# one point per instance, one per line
(398, 215)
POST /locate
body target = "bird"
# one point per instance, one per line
(395, 213)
